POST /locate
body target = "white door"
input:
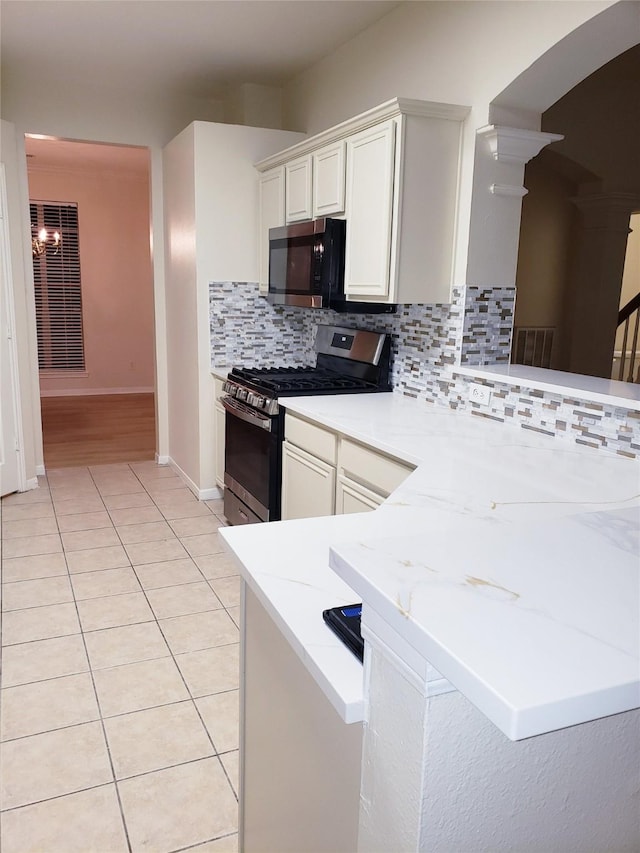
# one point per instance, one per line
(11, 467)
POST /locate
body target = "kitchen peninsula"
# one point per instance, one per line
(500, 592)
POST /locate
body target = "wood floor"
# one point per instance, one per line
(96, 430)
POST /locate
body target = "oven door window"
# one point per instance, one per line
(251, 458)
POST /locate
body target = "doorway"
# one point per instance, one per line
(97, 393)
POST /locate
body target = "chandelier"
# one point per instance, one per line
(42, 239)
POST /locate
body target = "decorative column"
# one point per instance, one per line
(596, 280)
(438, 776)
(500, 157)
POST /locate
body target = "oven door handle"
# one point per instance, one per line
(246, 413)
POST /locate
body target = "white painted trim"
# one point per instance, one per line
(90, 392)
(162, 460)
(514, 145)
(505, 189)
(32, 483)
(40, 471)
(16, 395)
(407, 660)
(390, 109)
(213, 493)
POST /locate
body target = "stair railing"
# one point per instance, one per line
(625, 316)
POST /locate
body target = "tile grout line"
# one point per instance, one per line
(182, 677)
(192, 699)
(97, 698)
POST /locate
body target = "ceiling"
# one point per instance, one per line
(195, 48)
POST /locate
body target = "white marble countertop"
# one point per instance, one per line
(507, 560)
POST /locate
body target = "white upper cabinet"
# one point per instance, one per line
(369, 210)
(393, 172)
(271, 215)
(328, 180)
(297, 183)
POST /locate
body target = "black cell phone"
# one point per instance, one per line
(345, 622)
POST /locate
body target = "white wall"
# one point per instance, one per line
(463, 786)
(467, 53)
(182, 304)
(211, 232)
(117, 280)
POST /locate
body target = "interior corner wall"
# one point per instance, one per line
(181, 305)
(226, 241)
(117, 278)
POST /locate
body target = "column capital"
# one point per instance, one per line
(607, 210)
(515, 145)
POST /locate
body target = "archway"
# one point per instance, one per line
(498, 174)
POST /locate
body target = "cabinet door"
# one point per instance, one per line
(353, 497)
(298, 189)
(271, 194)
(308, 484)
(369, 210)
(329, 180)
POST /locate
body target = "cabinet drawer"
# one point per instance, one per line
(311, 438)
(375, 470)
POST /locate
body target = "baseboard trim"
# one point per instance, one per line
(40, 471)
(210, 494)
(95, 392)
(213, 494)
(32, 483)
(163, 460)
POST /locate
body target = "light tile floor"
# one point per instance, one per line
(119, 679)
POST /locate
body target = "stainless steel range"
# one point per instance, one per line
(348, 361)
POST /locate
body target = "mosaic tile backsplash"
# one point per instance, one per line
(428, 342)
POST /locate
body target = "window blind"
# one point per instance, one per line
(58, 292)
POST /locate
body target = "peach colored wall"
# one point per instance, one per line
(117, 279)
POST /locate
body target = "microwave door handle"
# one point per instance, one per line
(245, 413)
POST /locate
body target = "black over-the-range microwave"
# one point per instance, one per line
(306, 267)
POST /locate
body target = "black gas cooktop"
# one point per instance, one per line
(300, 380)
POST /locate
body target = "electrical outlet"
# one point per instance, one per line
(480, 394)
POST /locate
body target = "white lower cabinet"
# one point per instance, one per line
(324, 473)
(354, 497)
(308, 484)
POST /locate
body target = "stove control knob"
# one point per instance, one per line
(242, 394)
